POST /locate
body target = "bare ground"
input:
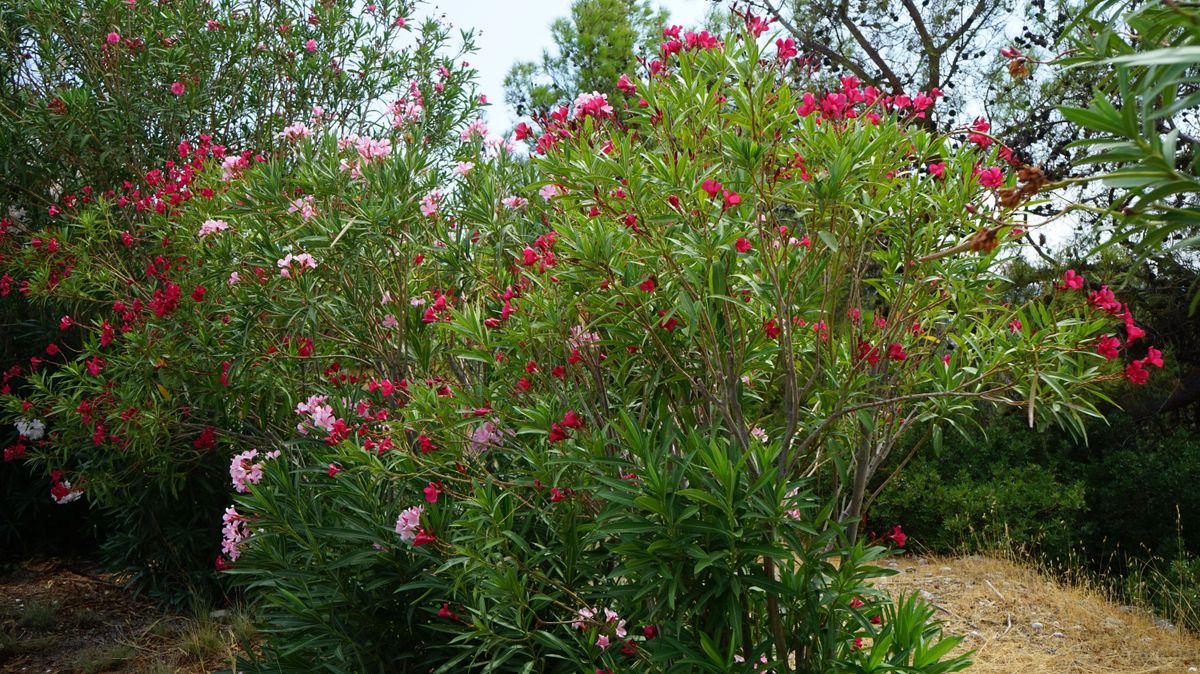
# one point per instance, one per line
(1020, 622)
(67, 616)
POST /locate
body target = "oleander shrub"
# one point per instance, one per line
(123, 377)
(609, 403)
(98, 92)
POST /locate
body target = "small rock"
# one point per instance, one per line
(1058, 635)
(945, 569)
(976, 633)
(1037, 626)
(1164, 624)
(926, 595)
(1192, 669)
(909, 569)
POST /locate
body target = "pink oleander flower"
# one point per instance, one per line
(514, 202)
(178, 88)
(1108, 346)
(786, 50)
(430, 203)
(232, 166)
(212, 227)
(476, 127)
(370, 148)
(594, 104)
(298, 263)
(235, 530)
(294, 132)
(759, 434)
(114, 38)
(584, 616)
(234, 277)
(1072, 280)
(488, 434)
(580, 338)
(550, 191)
(390, 322)
(1154, 357)
(244, 472)
(464, 167)
(310, 46)
(992, 176)
(409, 522)
(305, 206)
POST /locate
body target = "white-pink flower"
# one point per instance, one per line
(409, 523)
(233, 533)
(371, 148)
(581, 338)
(475, 127)
(552, 190)
(305, 206)
(233, 278)
(464, 167)
(514, 202)
(594, 104)
(488, 434)
(295, 262)
(232, 166)
(407, 110)
(390, 322)
(212, 227)
(295, 131)
(430, 202)
(244, 472)
(584, 616)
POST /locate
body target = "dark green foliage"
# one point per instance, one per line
(1011, 485)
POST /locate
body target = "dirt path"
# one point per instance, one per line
(1020, 622)
(67, 616)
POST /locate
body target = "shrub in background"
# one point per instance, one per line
(123, 286)
(1011, 485)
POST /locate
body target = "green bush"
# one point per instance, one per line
(1012, 486)
(493, 413)
(100, 143)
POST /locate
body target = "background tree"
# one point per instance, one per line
(599, 42)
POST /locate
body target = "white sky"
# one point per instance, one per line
(508, 31)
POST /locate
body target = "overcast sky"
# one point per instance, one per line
(518, 30)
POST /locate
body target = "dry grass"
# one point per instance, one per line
(998, 606)
(55, 617)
